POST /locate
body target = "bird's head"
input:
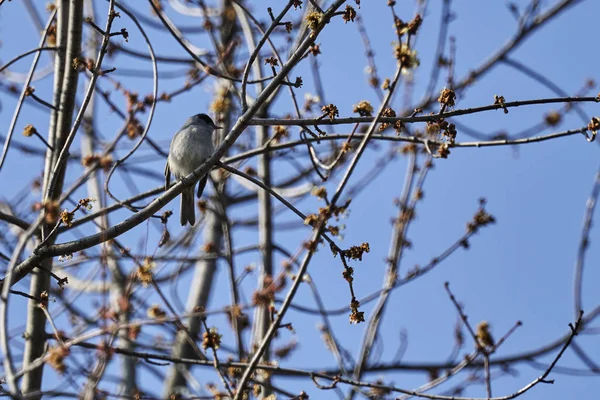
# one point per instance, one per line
(204, 120)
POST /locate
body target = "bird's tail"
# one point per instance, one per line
(187, 212)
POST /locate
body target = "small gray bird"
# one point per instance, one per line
(190, 147)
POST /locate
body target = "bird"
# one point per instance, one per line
(190, 147)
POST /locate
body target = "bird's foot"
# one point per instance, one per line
(185, 181)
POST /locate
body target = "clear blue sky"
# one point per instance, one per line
(519, 269)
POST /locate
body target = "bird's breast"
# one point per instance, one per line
(189, 149)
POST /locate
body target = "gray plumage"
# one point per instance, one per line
(190, 147)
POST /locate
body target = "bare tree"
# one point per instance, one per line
(103, 295)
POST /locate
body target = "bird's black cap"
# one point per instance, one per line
(207, 119)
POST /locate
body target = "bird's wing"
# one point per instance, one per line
(201, 185)
(167, 176)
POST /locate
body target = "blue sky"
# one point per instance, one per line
(519, 269)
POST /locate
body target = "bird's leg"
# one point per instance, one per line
(184, 180)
